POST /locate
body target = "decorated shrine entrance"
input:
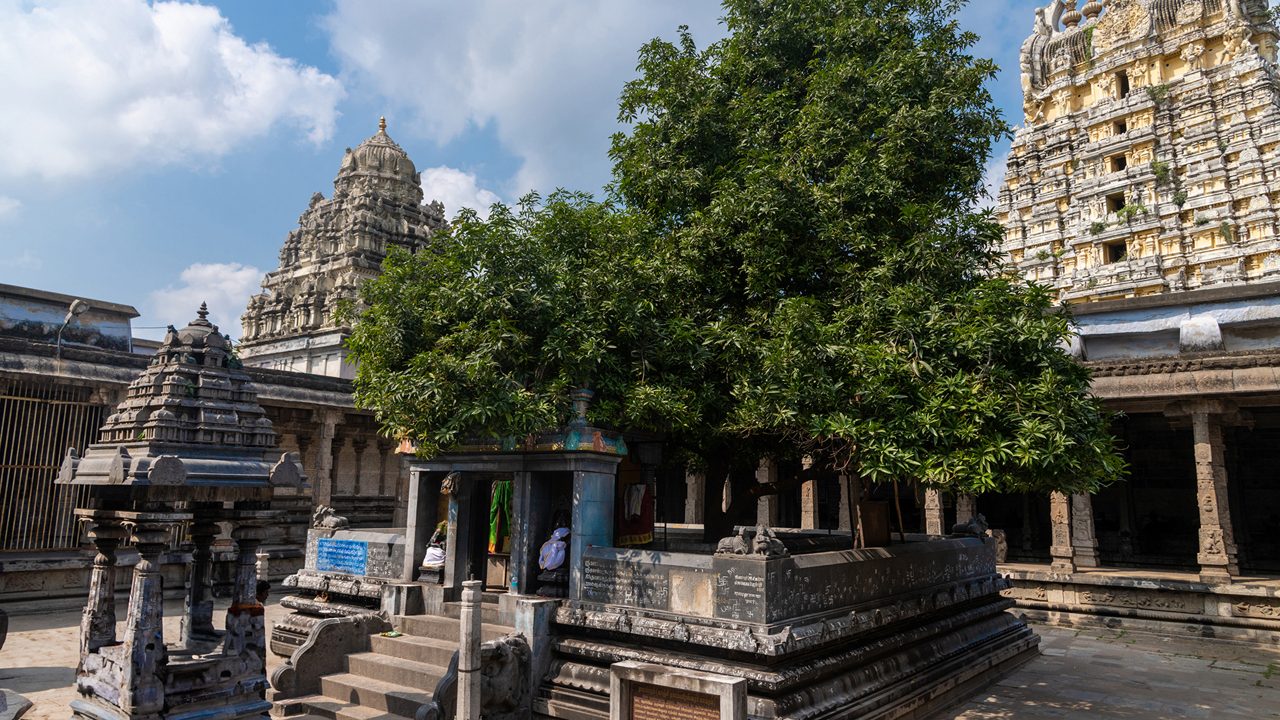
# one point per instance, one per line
(493, 506)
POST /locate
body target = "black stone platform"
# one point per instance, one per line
(882, 633)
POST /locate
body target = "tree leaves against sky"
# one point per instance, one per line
(790, 261)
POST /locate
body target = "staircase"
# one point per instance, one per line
(397, 677)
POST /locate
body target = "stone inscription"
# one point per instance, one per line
(740, 596)
(655, 702)
(344, 556)
(617, 584)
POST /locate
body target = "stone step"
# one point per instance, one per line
(571, 704)
(321, 707)
(418, 676)
(443, 628)
(488, 611)
(429, 650)
(373, 694)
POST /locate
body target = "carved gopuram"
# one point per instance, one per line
(340, 242)
(1146, 162)
(1142, 189)
(188, 448)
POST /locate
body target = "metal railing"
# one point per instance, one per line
(38, 422)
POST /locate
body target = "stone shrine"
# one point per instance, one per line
(187, 450)
(339, 243)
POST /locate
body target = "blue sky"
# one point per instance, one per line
(157, 154)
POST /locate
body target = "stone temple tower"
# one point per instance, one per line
(338, 244)
(1148, 161)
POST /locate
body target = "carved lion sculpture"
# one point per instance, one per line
(505, 692)
(760, 541)
(975, 527)
(325, 517)
(766, 543)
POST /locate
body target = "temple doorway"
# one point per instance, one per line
(1253, 468)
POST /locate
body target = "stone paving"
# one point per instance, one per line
(1081, 674)
(1098, 673)
(40, 656)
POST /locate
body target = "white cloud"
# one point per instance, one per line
(226, 288)
(26, 261)
(104, 85)
(8, 205)
(457, 189)
(544, 76)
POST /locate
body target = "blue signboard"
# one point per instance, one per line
(344, 556)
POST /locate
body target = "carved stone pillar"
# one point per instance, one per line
(346, 467)
(695, 492)
(367, 477)
(845, 513)
(197, 619)
(933, 512)
(141, 691)
(98, 623)
(1217, 555)
(809, 518)
(1060, 532)
(322, 481)
(245, 630)
(1084, 540)
(966, 507)
(767, 505)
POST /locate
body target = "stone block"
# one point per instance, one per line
(646, 691)
(12, 705)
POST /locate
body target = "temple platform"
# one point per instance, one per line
(1170, 603)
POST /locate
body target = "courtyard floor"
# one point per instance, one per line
(1080, 674)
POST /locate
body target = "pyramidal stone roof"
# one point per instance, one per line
(340, 243)
(191, 421)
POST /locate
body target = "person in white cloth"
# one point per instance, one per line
(553, 551)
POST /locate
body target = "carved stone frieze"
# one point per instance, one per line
(1152, 600)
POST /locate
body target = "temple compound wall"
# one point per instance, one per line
(54, 396)
(1142, 191)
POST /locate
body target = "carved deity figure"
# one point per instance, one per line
(326, 518)
(1191, 54)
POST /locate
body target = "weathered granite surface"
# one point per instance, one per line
(876, 633)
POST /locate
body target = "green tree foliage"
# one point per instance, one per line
(488, 334)
(791, 262)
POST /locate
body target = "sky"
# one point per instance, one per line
(157, 154)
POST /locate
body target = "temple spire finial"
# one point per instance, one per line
(203, 312)
(382, 124)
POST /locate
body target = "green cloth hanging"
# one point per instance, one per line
(499, 515)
